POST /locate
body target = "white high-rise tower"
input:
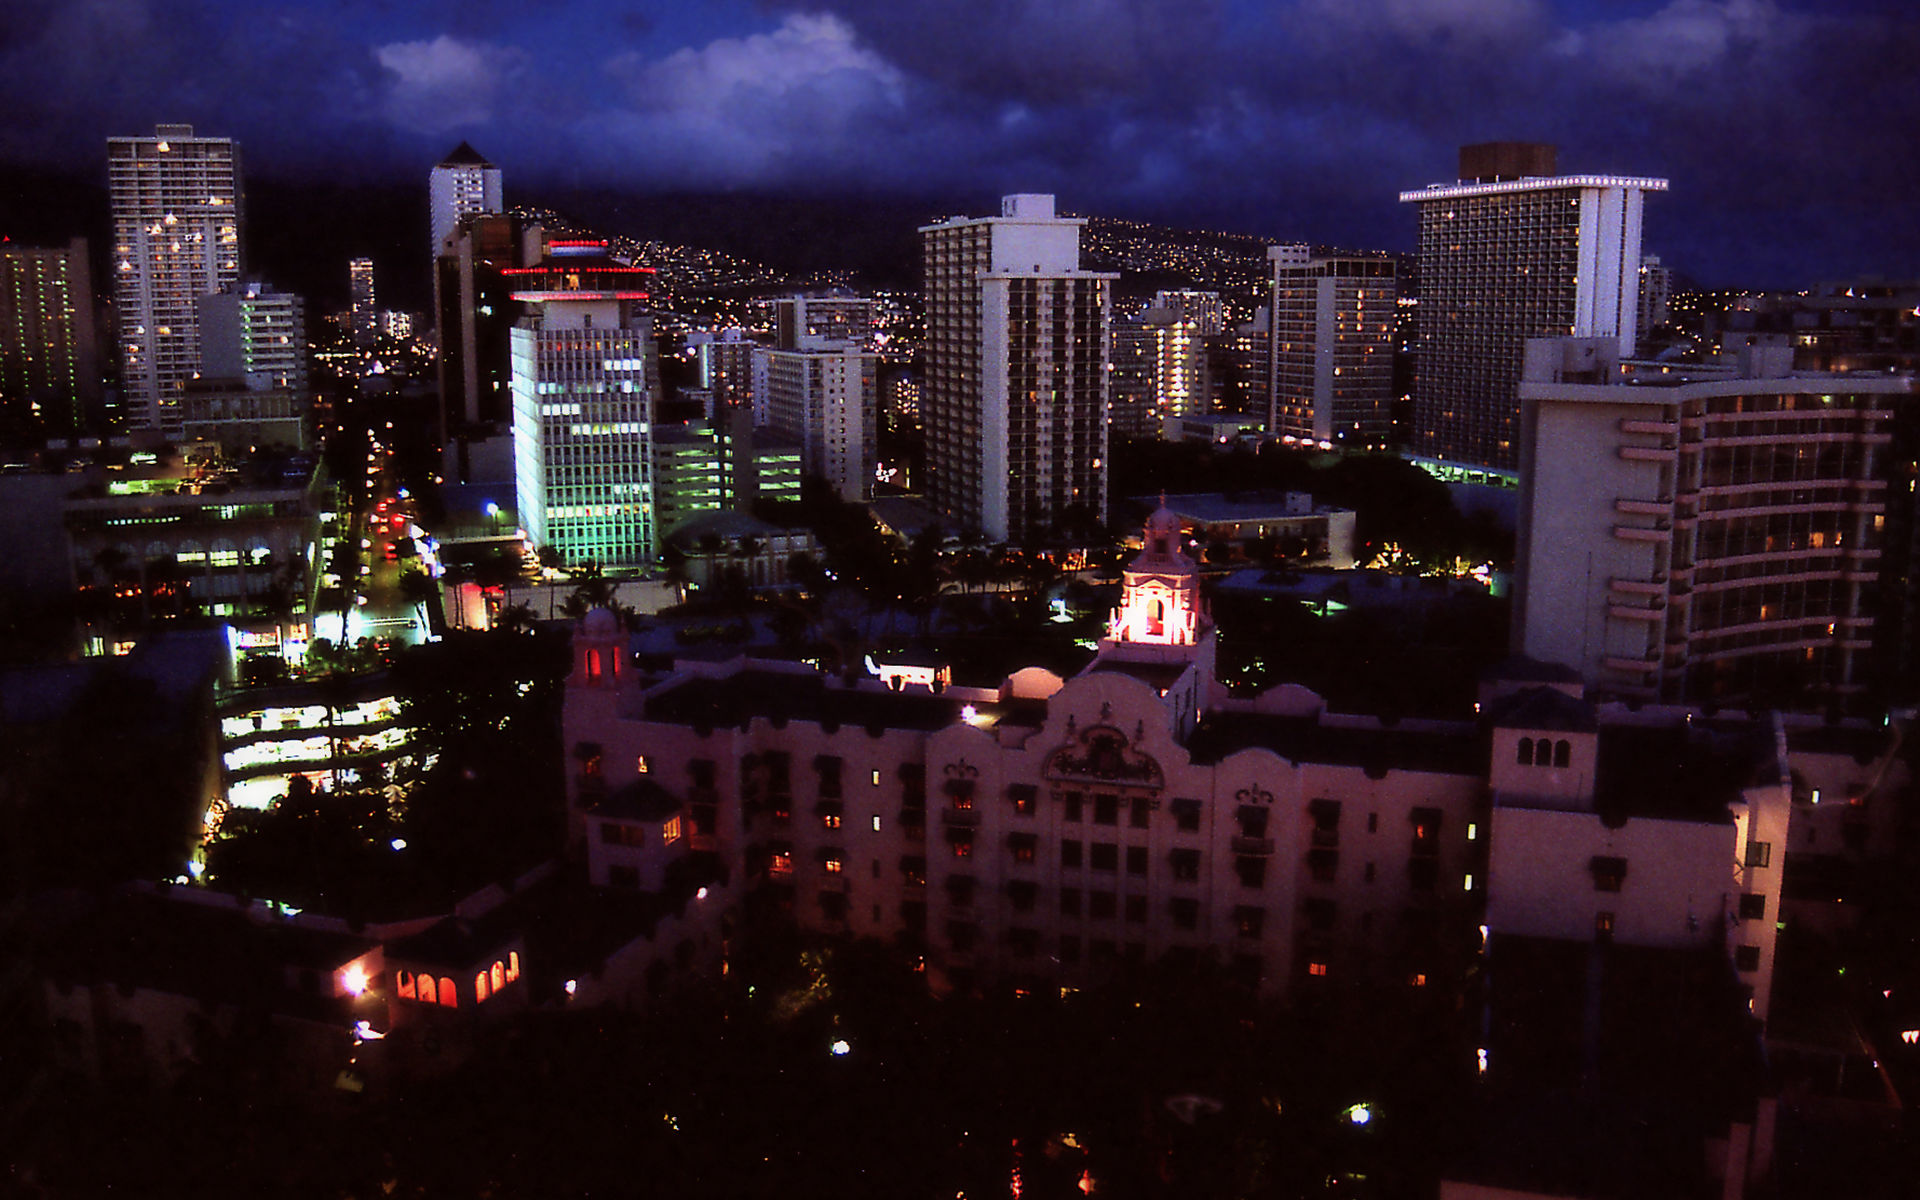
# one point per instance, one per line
(463, 183)
(176, 237)
(1510, 252)
(1015, 405)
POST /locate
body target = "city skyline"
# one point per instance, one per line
(1778, 123)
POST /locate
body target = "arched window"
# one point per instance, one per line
(448, 996)
(513, 965)
(480, 986)
(403, 984)
(1525, 757)
(499, 976)
(1562, 753)
(427, 993)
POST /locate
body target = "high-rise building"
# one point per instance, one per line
(834, 319)
(1510, 252)
(176, 237)
(584, 379)
(1206, 309)
(1710, 533)
(464, 184)
(249, 331)
(365, 316)
(1015, 394)
(1656, 292)
(828, 400)
(724, 361)
(475, 312)
(1331, 353)
(49, 350)
(1131, 411)
(1179, 363)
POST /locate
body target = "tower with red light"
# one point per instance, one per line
(1160, 602)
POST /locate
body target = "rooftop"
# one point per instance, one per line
(1306, 740)
(1674, 772)
(782, 696)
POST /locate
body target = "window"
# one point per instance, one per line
(1069, 902)
(1103, 951)
(1142, 807)
(828, 768)
(1426, 831)
(780, 862)
(1252, 870)
(1373, 822)
(1524, 756)
(1024, 941)
(1025, 798)
(1423, 874)
(1608, 872)
(913, 868)
(960, 889)
(830, 813)
(1603, 927)
(875, 776)
(1073, 802)
(1186, 815)
(1185, 912)
(1320, 914)
(1137, 909)
(962, 842)
(1022, 894)
(832, 862)
(913, 785)
(1317, 968)
(1106, 810)
(1070, 948)
(1023, 846)
(1746, 958)
(1069, 853)
(1101, 905)
(1368, 876)
(1106, 856)
(643, 765)
(1759, 854)
(1247, 969)
(1253, 820)
(1136, 860)
(622, 835)
(1562, 753)
(960, 794)
(1753, 906)
(1186, 865)
(962, 935)
(1326, 822)
(1323, 865)
(1249, 921)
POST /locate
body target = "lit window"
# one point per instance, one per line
(670, 832)
(642, 765)
(1316, 968)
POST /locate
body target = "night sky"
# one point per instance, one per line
(1789, 130)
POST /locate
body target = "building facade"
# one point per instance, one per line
(475, 314)
(249, 331)
(1514, 251)
(1725, 524)
(463, 184)
(49, 345)
(1014, 398)
(584, 381)
(1331, 348)
(828, 400)
(364, 315)
(176, 207)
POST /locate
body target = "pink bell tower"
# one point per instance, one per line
(1160, 601)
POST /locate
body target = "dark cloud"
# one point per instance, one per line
(1299, 119)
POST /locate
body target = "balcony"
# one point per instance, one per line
(1253, 845)
(1659, 428)
(965, 818)
(1634, 533)
(1638, 587)
(1647, 454)
(1633, 666)
(1643, 508)
(1628, 612)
